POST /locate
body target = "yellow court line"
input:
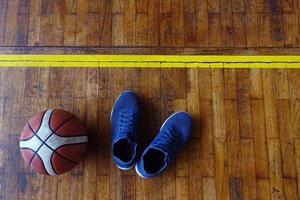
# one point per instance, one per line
(199, 61)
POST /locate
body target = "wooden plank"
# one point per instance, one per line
(180, 25)
(205, 84)
(189, 6)
(239, 30)
(182, 188)
(235, 186)
(214, 29)
(3, 9)
(282, 84)
(286, 139)
(219, 130)
(256, 88)
(294, 84)
(291, 29)
(202, 23)
(252, 29)
(129, 23)
(82, 7)
(288, 6)
(71, 6)
(82, 29)
(248, 170)
(190, 33)
(61, 86)
(264, 30)
(94, 6)
(141, 32)
(270, 104)
(222, 178)
(47, 7)
(93, 36)
(58, 23)
(165, 6)
(263, 189)
(31, 82)
(230, 87)
(297, 161)
(22, 28)
(275, 171)
(209, 188)
(118, 29)
(290, 189)
(260, 140)
(295, 115)
(250, 6)
(118, 6)
(219, 119)
(195, 191)
(194, 157)
(106, 25)
(227, 29)
(276, 25)
(70, 30)
(153, 23)
(9, 38)
(166, 36)
(142, 6)
(243, 97)
(34, 22)
(206, 139)
(238, 6)
(128, 189)
(46, 26)
(213, 6)
(192, 96)
(103, 187)
(233, 140)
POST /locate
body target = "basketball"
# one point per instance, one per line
(53, 142)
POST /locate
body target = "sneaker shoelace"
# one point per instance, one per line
(167, 139)
(125, 122)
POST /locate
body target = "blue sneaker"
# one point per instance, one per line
(174, 133)
(123, 120)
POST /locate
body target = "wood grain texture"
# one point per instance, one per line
(219, 162)
(245, 142)
(164, 23)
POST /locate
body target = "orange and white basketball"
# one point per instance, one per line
(53, 142)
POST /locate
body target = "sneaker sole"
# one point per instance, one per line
(162, 126)
(125, 168)
(137, 171)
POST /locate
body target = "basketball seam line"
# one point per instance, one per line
(32, 128)
(44, 143)
(61, 125)
(42, 162)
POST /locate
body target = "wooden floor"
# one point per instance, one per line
(246, 138)
(164, 23)
(245, 142)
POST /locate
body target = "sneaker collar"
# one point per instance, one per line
(133, 145)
